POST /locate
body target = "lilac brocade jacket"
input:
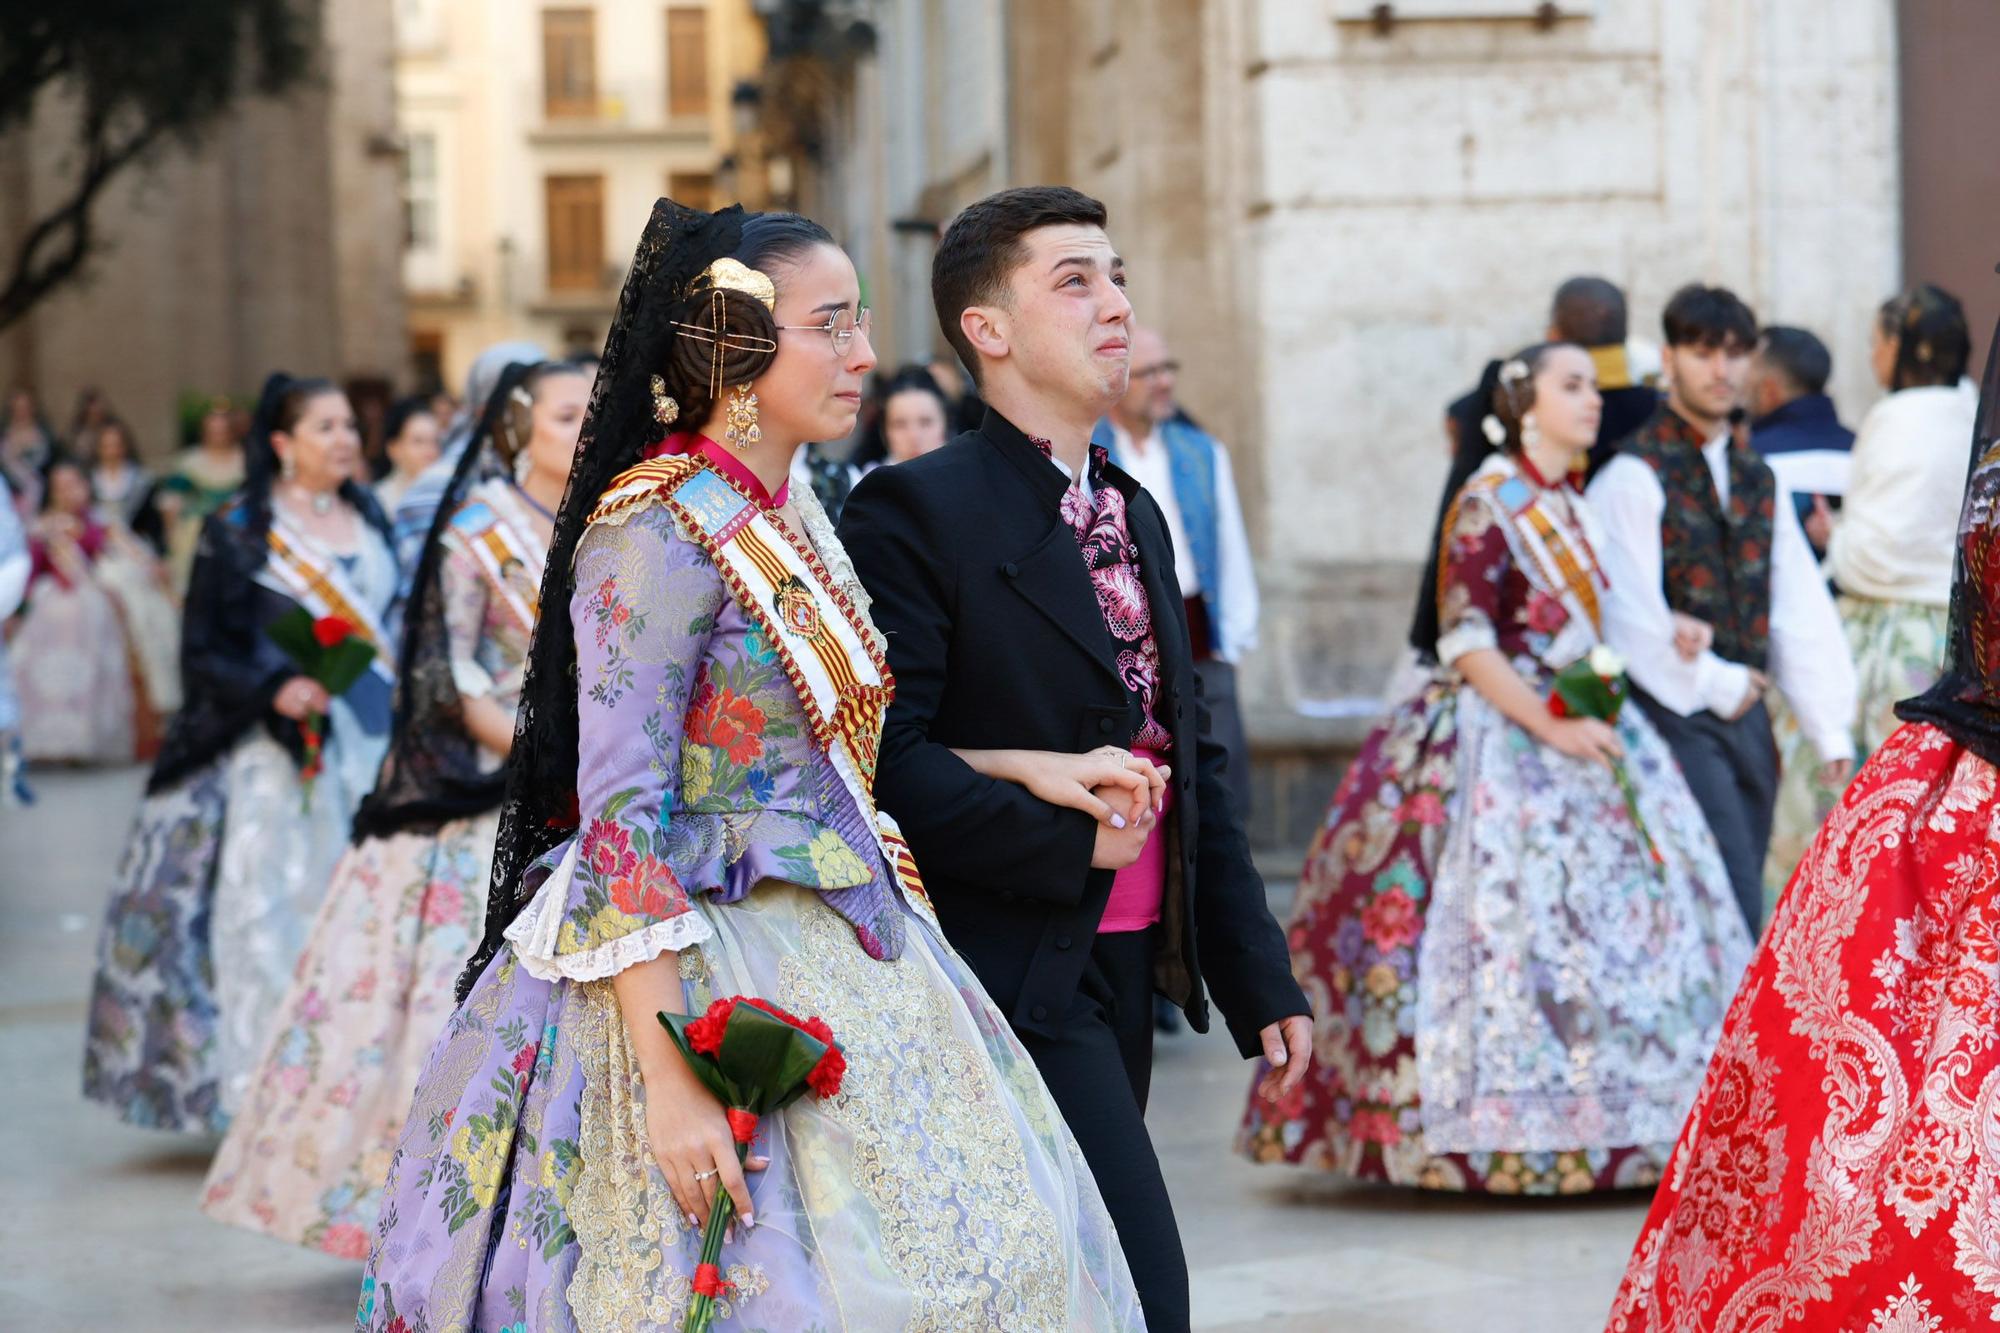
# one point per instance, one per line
(697, 771)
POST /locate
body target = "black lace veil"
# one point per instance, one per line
(432, 772)
(1473, 449)
(1965, 702)
(540, 808)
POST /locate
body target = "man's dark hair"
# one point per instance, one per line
(1589, 312)
(1699, 316)
(983, 246)
(1799, 358)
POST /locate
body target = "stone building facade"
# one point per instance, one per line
(1338, 210)
(275, 244)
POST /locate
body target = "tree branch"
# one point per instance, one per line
(55, 249)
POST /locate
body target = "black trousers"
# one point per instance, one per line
(1107, 1032)
(1732, 768)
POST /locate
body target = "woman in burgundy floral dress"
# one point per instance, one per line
(1511, 995)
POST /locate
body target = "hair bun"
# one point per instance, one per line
(715, 347)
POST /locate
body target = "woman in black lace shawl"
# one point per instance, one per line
(225, 820)
(305, 1156)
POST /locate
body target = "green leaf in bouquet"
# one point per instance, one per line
(705, 1067)
(779, 1054)
(293, 632)
(343, 664)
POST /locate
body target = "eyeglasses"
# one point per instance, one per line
(840, 327)
(1155, 371)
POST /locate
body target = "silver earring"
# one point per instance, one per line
(524, 467)
(1531, 434)
(286, 468)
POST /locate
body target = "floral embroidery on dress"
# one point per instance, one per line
(1506, 998)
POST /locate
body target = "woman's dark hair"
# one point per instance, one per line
(1699, 316)
(63, 463)
(663, 309)
(1933, 343)
(403, 411)
(280, 407)
(913, 378)
(983, 246)
(117, 426)
(770, 241)
(516, 422)
(1513, 395)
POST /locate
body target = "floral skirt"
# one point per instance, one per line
(149, 1049)
(308, 1151)
(74, 677)
(1898, 650)
(1510, 995)
(939, 1189)
(278, 852)
(1841, 1168)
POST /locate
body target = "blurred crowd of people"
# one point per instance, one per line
(1519, 928)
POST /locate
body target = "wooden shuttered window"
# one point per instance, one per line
(569, 63)
(576, 232)
(687, 61)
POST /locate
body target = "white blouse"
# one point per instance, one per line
(1898, 530)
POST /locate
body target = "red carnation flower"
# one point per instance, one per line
(705, 1033)
(824, 1077)
(329, 630)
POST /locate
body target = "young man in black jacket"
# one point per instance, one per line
(1028, 594)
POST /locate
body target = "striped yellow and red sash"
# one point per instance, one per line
(296, 570)
(505, 549)
(819, 635)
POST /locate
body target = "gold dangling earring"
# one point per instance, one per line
(665, 410)
(742, 430)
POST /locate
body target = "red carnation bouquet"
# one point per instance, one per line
(756, 1059)
(331, 651)
(1596, 686)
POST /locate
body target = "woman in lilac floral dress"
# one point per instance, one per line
(1511, 995)
(305, 1158)
(690, 816)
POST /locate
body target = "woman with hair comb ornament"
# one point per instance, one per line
(689, 817)
(1841, 1166)
(306, 1155)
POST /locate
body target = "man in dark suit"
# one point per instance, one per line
(1028, 593)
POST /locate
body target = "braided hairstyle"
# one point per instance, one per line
(1933, 342)
(666, 324)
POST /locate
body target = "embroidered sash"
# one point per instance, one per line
(507, 551)
(296, 570)
(841, 678)
(1549, 545)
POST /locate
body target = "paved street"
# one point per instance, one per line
(99, 1231)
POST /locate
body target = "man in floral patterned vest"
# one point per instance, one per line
(1714, 591)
